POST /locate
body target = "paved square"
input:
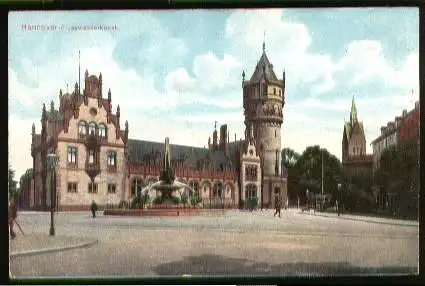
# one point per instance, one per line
(236, 243)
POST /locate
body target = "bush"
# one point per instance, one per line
(241, 204)
(358, 200)
(158, 200)
(175, 200)
(137, 202)
(184, 199)
(195, 201)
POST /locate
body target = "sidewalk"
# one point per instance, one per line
(32, 244)
(379, 220)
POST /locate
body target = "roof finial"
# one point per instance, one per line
(215, 125)
(264, 41)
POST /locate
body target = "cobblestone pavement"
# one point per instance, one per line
(236, 243)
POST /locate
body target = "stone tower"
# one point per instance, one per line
(263, 101)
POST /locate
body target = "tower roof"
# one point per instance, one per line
(353, 109)
(268, 68)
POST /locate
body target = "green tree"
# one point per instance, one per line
(398, 175)
(13, 185)
(306, 172)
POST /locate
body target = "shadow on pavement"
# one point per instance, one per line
(220, 265)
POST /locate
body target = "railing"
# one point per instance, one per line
(92, 167)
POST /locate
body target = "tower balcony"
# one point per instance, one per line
(92, 170)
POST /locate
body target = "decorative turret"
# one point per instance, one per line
(117, 128)
(243, 77)
(43, 113)
(100, 86)
(109, 101)
(215, 139)
(209, 142)
(76, 89)
(126, 131)
(52, 107)
(33, 130)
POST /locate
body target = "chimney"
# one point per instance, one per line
(417, 104)
(404, 112)
(235, 138)
(383, 130)
(397, 121)
(223, 138)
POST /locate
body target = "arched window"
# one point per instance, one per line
(136, 186)
(92, 128)
(195, 187)
(102, 130)
(217, 190)
(250, 191)
(82, 128)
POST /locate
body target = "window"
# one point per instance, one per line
(136, 187)
(251, 173)
(92, 128)
(280, 92)
(274, 91)
(111, 188)
(112, 159)
(91, 156)
(217, 190)
(72, 187)
(72, 155)
(250, 191)
(275, 133)
(82, 128)
(92, 188)
(354, 150)
(102, 130)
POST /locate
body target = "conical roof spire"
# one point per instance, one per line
(353, 113)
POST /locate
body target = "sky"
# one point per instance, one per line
(174, 73)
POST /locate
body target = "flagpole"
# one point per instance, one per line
(321, 199)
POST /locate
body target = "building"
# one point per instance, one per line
(409, 129)
(98, 161)
(354, 157)
(403, 129)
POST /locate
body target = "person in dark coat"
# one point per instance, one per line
(278, 206)
(93, 208)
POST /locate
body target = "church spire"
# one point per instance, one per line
(353, 113)
(264, 41)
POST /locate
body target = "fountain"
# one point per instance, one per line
(167, 186)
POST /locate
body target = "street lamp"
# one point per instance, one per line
(51, 163)
(339, 193)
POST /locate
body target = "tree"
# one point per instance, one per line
(13, 190)
(305, 171)
(398, 175)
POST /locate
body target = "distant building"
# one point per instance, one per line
(403, 129)
(98, 161)
(354, 157)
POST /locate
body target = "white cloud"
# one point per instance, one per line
(214, 72)
(178, 80)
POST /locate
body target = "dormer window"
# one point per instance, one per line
(82, 128)
(102, 130)
(92, 128)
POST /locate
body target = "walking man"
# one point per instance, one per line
(278, 206)
(12, 214)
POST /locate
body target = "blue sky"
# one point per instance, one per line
(174, 73)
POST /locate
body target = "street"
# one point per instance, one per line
(236, 243)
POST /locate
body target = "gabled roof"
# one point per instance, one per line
(140, 150)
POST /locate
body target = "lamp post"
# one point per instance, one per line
(51, 162)
(339, 193)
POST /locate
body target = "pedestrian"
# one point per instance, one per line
(12, 214)
(278, 206)
(286, 204)
(93, 208)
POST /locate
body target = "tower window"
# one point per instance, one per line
(112, 156)
(92, 188)
(275, 133)
(91, 156)
(72, 155)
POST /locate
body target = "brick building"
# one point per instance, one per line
(98, 161)
(354, 157)
(403, 129)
